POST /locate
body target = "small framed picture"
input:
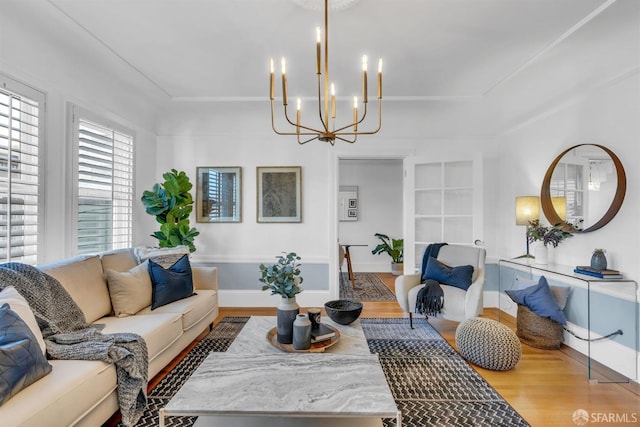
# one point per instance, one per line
(219, 194)
(279, 194)
(353, 203)
(352, 213)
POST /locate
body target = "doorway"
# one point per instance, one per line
(369, 201)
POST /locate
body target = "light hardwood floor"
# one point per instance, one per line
(546, 386)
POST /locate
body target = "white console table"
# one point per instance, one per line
(595, 308)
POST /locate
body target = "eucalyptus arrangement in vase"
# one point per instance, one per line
(283, 278)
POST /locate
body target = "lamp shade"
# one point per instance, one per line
(527, 209)
(560, 206)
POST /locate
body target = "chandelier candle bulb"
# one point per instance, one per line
(318, 55)
(271, 82)
(298, 116)
(364, 79)
(355, 114)
(333, 101)
(283, 64)
(380, 79)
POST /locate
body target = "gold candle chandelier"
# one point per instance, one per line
(327, 130)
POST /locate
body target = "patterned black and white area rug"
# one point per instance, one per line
(367, 287)
(431, 383)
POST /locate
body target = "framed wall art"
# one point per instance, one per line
(219, 194)
(279, 193)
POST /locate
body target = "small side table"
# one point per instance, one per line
(347, 256)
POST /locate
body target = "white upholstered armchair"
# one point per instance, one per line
(458, 304)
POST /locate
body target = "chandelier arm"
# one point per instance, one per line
(308, 140)
(347, 140)
(371, 132)
(354, 123)
(273, 126)
(301, 126)
(322, 119)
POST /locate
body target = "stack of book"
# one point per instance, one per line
(322, 333)
(600, 274)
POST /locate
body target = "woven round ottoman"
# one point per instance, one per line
(488, 344)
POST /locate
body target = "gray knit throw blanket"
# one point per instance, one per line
(68, 336)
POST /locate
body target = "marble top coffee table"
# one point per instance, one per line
(255, 386)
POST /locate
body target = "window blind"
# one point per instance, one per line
(105, 187)
(19, 175)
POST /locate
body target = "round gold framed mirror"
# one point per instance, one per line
(584, 186)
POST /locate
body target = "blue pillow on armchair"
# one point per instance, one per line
(460, 276)
(540, 300)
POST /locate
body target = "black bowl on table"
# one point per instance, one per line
(343, 311)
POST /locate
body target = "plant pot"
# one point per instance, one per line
(286, 314)
(397, 268)
(541, 253)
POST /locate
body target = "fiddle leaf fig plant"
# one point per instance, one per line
(171, 203)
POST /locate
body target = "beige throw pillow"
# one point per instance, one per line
(20, 305)
(130, 291)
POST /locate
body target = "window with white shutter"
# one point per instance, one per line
(104, 176)
(21, 109)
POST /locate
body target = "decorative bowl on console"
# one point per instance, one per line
(343, 311)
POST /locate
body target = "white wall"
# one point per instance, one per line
(586, 90)
(34, 55)
(379, 183)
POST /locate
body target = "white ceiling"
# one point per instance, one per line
(220, 49)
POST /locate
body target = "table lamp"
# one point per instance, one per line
(527, 209)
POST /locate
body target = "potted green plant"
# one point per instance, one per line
(394, 248)
(171, 203)
(283, 278)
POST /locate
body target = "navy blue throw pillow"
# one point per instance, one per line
(540, 300)
(21, 360)
(460, 276)
(171, 284)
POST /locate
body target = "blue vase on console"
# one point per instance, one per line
(286, 314)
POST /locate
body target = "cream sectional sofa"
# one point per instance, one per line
(83, 393)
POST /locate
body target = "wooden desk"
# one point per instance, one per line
(347, 256)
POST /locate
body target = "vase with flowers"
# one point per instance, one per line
(283, 278)
(543, 236)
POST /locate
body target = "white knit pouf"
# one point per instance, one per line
(488, 344)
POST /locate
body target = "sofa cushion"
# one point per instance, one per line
(84, 279)
(118, 260)
(21, 360)
(20, 305)
(158, 330)
(130, 291)
(71, 390)
(171, 284)
(192, 310)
